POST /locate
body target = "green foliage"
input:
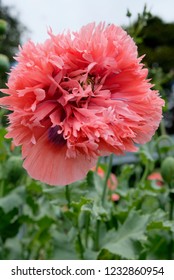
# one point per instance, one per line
(11, 31)
(3, 27)
(158, 43)
(135, 29)
(155, 38)
(155, 41)
(4, 63)
(126, 241)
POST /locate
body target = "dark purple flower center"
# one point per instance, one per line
(55, 137)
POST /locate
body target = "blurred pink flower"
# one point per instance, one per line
(156, 176)
(78, 96)
(115, 197)
(112, 180)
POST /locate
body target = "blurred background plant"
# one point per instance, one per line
(11, 31)
(123, 209)
(155, 39)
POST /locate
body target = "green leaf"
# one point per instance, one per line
(3, 143)
(10, 201)
(63, 248)
(126, 172)
(107, 255)
(157, 245)
(124, 241)
(99, 212)
(13, 249)
(145, 154)
(14, 170)
(150, 204)
(84, 204)
(35, 187)
(161, 225)
(9, 225)
(95, 181)
(90, 255)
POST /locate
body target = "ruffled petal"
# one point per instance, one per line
(47, 162)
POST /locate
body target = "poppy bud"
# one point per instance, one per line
(167, 169)
(4, 63)
(3, 27)
(14, 169)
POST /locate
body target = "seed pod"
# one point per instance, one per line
(167, 169)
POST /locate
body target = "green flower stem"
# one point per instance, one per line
(97, 234)
(87, 224)
(68, 195)
(164, 138)
(98, 163)
(80, 245)
(106, 178)
(171, 208)
(159, 152)
(171, 204)
(1, 189)
(162, 128)
(146, 171)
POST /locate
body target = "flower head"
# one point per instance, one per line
(78, 96)
(156, 176)
(115, 197)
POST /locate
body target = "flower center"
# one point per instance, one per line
(55, 137)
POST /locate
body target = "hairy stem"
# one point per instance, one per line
(145, 173)
(68, 195)
(98, 163)
(164, 138)
(171, 208)
(97, 234)
(162, 128)
(87, 224)
(80, 245)
(106, 178)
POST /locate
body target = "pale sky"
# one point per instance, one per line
(61, 15)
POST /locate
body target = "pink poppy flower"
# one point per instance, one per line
(156, 176)
(78, 96)
(115, 197)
